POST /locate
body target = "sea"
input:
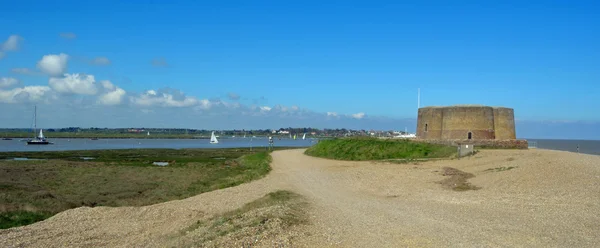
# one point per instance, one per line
(585, 146)
(106, 144)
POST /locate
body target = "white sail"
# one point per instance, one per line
(213, 138)
(148, 133)
(304, 136)
(41, 135)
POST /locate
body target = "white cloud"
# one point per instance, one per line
(100, 61)
(167, 98)
(6, 82)
(23, 71)
(233, 96)
(358, 115)
(107, 85)
(68, 35)
(205, 104)
(113, 97)
(231, 104)
(164, 107)
(27, 93)
(159, 62)
(280, 108)
(53, 65)
(74, 83)
(12, 43)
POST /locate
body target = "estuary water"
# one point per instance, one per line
(585, 146)
(104, 144)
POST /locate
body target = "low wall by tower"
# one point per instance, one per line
(493, 144)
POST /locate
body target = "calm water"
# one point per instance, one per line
(585, 146)
(87, 144)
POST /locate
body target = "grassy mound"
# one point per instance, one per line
(377, 149)
(34, 190)
(269, 216)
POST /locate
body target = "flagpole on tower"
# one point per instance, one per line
(418, 98)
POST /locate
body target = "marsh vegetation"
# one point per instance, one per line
(33, 190)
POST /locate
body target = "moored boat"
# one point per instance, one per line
(40, 139)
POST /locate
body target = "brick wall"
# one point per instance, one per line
(498, 144)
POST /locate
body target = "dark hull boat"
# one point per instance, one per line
(40, 139)
(38, 142)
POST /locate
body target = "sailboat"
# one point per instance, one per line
(213, 138)
(148, 134)
(40, 139)
(304, 136)
(294, 136)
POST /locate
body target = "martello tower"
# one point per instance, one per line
(466, 122)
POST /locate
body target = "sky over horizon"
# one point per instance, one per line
(272, 64)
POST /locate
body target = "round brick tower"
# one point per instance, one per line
(466, 122)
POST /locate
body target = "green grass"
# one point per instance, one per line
(286, 208)
(377, 149)
(457, 180)
(118, 178)
(500, 169)
(21, 218)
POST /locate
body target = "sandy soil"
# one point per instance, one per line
(550, 199)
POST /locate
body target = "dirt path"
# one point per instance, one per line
(548, 199)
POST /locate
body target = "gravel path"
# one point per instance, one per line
(549, 199)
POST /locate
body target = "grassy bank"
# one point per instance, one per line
(271, 215)
(377, 149)
(34, 190)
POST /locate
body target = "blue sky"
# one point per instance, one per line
(344, 57)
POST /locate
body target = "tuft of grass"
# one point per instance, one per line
(377, 149)
(457, 180)
(120, 177)
(282, 209)
(21, 218)
(247, 168)
(499, 169)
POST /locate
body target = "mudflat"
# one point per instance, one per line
(507, 198)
